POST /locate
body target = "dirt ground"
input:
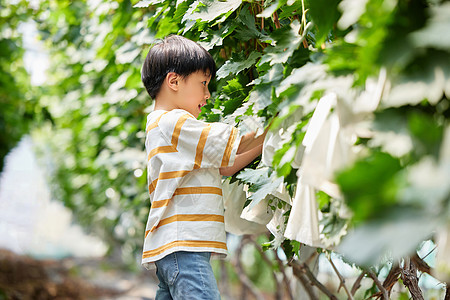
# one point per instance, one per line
(22, 277)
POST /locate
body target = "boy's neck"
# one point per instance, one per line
(165, 100)
(160, 104)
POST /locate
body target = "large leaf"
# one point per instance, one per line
(237, 64)
(269, 10)
(397, 236)
(247, 30)
(286, 40)
(301, 76)
(209, 10)
(273, 76)
(370, 186)
(324, 14)
(234, 94)
(262, 183)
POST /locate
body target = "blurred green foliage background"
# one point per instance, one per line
(275, 58)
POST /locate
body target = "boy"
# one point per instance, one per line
(186, 158)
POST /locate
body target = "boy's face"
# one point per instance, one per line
(193, 92)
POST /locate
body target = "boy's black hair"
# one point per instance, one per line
(174, 54)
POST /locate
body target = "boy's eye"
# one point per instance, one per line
(204, 83)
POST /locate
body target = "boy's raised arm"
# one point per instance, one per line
(248, 141)
(241, 160)
(249, 148)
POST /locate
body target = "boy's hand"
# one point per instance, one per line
(248, 141)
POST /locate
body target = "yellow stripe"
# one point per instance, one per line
(161, 149)
(160, 203)
(201, 146)
(169, 149)
(198, 190)
(155, 124)
(229, 148)
(173, 174)
(152, 186)
(192, 244)
(189, 218)
(186, 191)
(177, 129)
(166, 175)
(175, 136)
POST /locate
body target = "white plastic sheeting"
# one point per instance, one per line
(234, 200)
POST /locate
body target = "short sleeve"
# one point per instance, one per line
(200, 144)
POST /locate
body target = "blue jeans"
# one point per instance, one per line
(186, 275)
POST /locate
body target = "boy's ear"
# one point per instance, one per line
(172, 81)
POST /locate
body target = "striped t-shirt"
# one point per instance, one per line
(184, 157)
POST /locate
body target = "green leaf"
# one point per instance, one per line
(273, 76)
(262, 182)
(209, 10)
(427, 131)
(287, 11)
(260, 97)
(237, 64)
(286, 41)
(268, 11)
(234, 93)
(370, 185)
(334, 227)
(180, 11)
(398, 235)
(284, 157)
(249, 30)
(324, 14)
(323, 199)
(341, 58)
(302, 76)
(211, 39)
(166, 26)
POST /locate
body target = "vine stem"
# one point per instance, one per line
(409, 277)
(380, 286)
(278, 290)
(262, 18)
(285, 279)
(246, 282)
(341, 278)
(303, 15)
(357, 283)
(276, 21)
(302, 268)
(391, 280)
(308, 287)
(421, 265)
(303, 24)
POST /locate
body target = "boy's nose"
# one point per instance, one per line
(207, 95)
